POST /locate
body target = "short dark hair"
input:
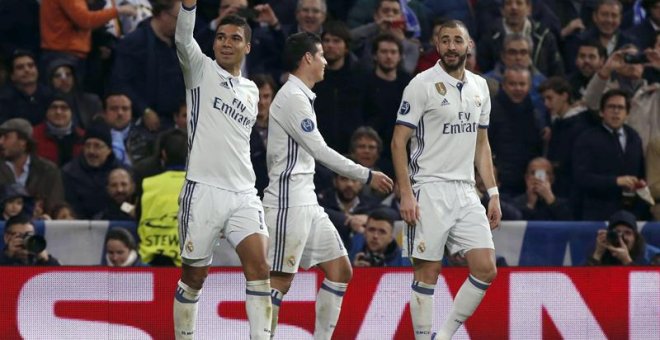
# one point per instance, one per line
(455, 24)
(20, 54)
(557, 84)
(385, 37)
(263, 79)
(602, 51)
(614, 93)
(297, 45)
(122, 235)
(380, 3)
(159, 6)
(366, 131)
(382, 214)
(18, 219)
(115, 93)
(338, 29)
(600, 3)
(175, 144)
(239, 22)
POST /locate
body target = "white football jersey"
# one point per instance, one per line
(445, 113)
(294, 141)
(222, 110)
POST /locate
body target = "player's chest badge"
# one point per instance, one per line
(477, 101)
(440, 87)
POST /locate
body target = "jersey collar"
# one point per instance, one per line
(446, 78)
(222, 72)
(308, 92)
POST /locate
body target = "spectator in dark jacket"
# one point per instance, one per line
(608, 162)
(63, 81)
(24, 97)
(259, 135)
(539, 201)
(346, 208)
(377, 246)
(121, 191)
(86, 176)
(17, 229)
(514, 136)
(645, 33)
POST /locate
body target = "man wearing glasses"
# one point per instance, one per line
(18, 229)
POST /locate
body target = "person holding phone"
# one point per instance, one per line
(539, 201)
(621, 243)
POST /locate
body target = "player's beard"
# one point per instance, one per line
(456, 65)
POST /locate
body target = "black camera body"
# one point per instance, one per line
(374, 259)
(33, 243)
(613, 238)
(639, 58)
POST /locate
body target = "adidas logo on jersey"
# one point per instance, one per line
(445, 102)
(225, 85)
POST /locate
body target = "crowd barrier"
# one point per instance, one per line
(520, 243)
(523, 303)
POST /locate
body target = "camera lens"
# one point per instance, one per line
(35, 243)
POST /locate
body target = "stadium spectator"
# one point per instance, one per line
(62, 211)
(340, 95)
(569, 120)
(259, 136)
(621, 243)
(15, 201)
(385, 85)
(347, 208)
(18, 230)
(517, 52)
(606, 30)
(39, 176)
(388, 19)
(591, 56)
(86, 176)
(121, 191)
(646, 32)
(58, 138)
(544, 51)
(514, 135)
(539, 202)
(130, 141)
(24, 97)
(430, 55)
(608, 163)
(377, 247)
(362, 13)
(146, 67)
(120, 249)
(180, 117)
(310, 16)
(123, 25)
(366, 147)
(158, 204)
(84, 106)
(66, 29)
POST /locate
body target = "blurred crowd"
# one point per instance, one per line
(93, 110)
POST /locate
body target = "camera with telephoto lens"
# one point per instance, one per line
(613, 238)
(374, 259)
(33, 243)
(639, 58)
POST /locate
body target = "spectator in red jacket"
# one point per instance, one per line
(57, 138)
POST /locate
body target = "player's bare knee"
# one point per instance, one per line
(486, 274)
(194, 278)
(344, 275)
(257, 271)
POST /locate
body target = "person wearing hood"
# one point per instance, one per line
(86, 176)
(15, 201)
(121, 249)
(62, 79)
(58, 139)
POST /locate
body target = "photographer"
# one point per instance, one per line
(23, 246)
(377, 246)
(621, 243)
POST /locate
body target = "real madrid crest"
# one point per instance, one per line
(189, 246)
(477, 101)
(421, 247)
(440, 87)
(291, 261)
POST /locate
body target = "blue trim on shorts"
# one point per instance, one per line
(283, 205)
(189, 188)
(414, 159)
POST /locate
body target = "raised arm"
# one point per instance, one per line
(190, 55)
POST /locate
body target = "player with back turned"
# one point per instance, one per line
(218, 198)
(301, 232)
(444, 114)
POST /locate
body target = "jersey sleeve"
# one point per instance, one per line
(412, 104)
(190, 55)
(300, 123)
(484, 117)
